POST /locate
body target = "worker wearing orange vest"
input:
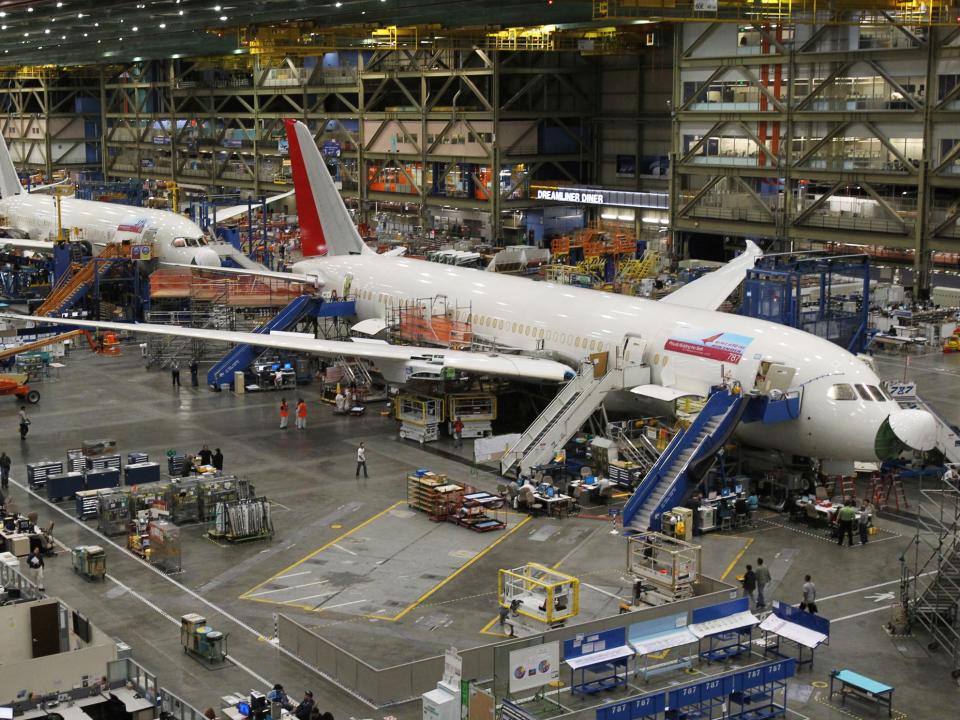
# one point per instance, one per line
(284, 413)
(301, 414)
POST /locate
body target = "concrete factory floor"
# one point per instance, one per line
(353, 563)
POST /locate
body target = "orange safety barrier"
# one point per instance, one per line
(238, 291)
(436, 330)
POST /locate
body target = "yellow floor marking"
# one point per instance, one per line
(737, 558)
(245, 596)
(471, 561)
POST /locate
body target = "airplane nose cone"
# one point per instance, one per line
(207, 257)
(914, 429)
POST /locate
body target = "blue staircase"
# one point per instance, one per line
(241, 357)
(666, 485)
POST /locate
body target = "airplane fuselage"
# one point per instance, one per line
(686, 349)
(174, 237)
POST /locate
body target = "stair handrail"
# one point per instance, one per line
(576, 383)
(653, 476)
(678, 444)
(720, 431)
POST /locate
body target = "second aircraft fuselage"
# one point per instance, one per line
(175, 238)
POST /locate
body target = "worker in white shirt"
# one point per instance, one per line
(362, 461)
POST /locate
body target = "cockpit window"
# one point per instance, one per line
(863, 392)
(179, 242)
(877, 395)
(841, 392)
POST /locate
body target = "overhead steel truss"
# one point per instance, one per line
(220, 125)
(768, 139)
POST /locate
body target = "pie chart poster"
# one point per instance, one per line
(534, 667)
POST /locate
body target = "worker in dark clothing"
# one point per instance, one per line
(175, 373)
(750, 583)
(218, 460)
(194, 373)
(305, 707)
(205, 455)
(187, 466)
(4, 471)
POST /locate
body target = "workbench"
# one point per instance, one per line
(605, 666)
(860, 686)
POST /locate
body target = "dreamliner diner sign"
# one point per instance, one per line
(598, 196)
(570, 196)
(725, 347)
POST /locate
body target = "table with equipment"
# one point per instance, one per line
(726, 627)
(604, 655)
(799, 627)
(860, 686)
(659, 637)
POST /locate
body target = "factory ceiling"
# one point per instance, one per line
(81, 32)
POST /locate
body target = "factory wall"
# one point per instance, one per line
(633, 123)
(52, 673)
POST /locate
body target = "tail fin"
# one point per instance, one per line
(326, 227)
(9, 181)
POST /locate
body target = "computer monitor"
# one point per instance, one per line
(287, 366)
(275, 366)
(244, 708)
(738, 489)
(6, 713)
(24, 525)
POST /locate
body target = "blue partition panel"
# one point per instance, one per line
(594, 642)
(720, 610)
(685, 696)
(716, 687)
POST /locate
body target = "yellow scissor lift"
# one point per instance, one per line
(536, 598)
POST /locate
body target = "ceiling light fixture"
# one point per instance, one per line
(338, 4)
(135, 28)
(46, 31)
(216, 8)
(29, 9)
(180, 13)
(59, 4)
(79, 15)
(2, 14)
(163, 26)
(222, 18)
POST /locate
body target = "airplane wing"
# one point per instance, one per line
(397, 362)
(223, 214)
(312, 280)
(38, 188)
(25, 244)
(709, 291)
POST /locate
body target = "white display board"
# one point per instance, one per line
(494, 447)
(534, 667)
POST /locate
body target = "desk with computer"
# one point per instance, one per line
(20, 534)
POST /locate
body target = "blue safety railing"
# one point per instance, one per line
(241, 357)
(722, 402)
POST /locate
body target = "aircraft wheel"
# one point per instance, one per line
(33, 397)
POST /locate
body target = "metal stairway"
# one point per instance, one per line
(638, 450)
(948, 442)
(75, 285)
(241, 356)
(566, 413)
(666, 483)
(934, 604)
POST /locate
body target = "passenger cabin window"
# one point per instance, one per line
(841, 392)
(877, 395)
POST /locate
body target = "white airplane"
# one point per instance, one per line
(176, 239)
(845, 415)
